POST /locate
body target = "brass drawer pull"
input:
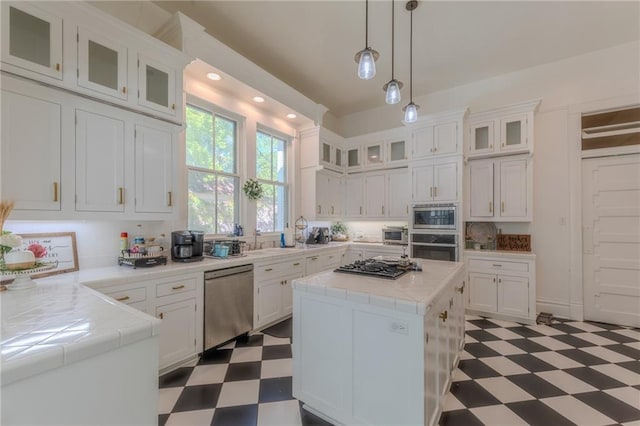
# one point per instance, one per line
(268, 269)
(161, 315)
(55, 192)
(124, 89)
(443, 316)
(178, 287)
(122, 299)
(296, 264)
(121, 195)
(57, 67)
(170, 199)
(490, 206)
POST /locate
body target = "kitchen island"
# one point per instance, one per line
(375, 351)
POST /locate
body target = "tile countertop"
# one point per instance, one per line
(413, 292)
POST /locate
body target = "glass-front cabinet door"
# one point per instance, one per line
(374, 154)
(481, 141)
(353, 158)
(513, 133)
(102, 64)
(397, 151)
(156, 86)
(338, 159)
(32, 39)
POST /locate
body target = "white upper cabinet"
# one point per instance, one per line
(321, 147)
(32, 39)
(156, 85)
(397, 151)
(436, 181)
(374, 189)
(354, 197)
(153, 170)
(513, 189)
(354, 161)
(481, 189)
(102, 64)
(398, 194)
(502, 131)
(438, 135)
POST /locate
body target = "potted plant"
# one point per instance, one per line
(252, 189)
(339, 232)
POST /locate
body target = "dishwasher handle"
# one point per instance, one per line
(218, 273)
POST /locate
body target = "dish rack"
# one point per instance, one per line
(235, 248)
(140, 260)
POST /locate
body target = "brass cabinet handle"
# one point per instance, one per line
(268, 269)
(443, 316)
(296, 264)
(122, 299)
(494, 280)
(499, 280)
(435, 149)
(55, 191)
(460, 289)
(178, 287)
(382, 209)
(496, 265)
(173, 106)
(490, 145)
(313, 258)
(435, 191)
(170, 196)
(57, 67)
(332, 210)
(161, 315)
(407, 206)
(121, 195)
(431, 191)
(502, 207)
(360, 209)
(319, 210)
(124, 89)
(490, 206)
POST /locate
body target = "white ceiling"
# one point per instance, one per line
(310, 45)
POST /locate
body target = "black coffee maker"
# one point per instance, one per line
(187, 246)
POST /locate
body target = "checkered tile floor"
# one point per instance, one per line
(570, 373)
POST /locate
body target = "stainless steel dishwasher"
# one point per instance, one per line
(228, 304)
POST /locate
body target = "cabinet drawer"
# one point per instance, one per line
(129, 296)
(175, 287)
(497, 265)
(268, 271)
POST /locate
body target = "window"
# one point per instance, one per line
(271, 171)
(211, 152)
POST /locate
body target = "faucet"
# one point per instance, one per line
(256, 234)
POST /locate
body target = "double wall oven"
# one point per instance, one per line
(434, 232)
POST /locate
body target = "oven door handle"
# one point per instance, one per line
(434, 245)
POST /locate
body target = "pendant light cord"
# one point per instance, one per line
(393, 20)
(366, 23)
(411, 58)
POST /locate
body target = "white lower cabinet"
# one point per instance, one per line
(177, 331)
(272, 290)
(502, 286)
(321, 262)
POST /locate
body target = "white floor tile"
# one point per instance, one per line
(557, 360)
(585, 326)
(276, 368)
(504, 348)
(229, 345)
(606, 354)
(630, 396)
(620, 374)
(468, 326)
(469, 339)
(248, 354)
(239, 393)
(636, 423)
(206, 374)
(503, 333)
(452, 403)
(551, 343)
(545, 329)
(271, 341)
(504, 366)
(503, 323)
(497, 415)
(565, 381)
(167, 398)
(634, 334)
(595, 339)
(459, 376)
(634, 345)
(281, 413)
(466, 355)
(577, 411)
(505, 390)
(198, 417)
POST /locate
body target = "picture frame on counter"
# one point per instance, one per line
(61, 248)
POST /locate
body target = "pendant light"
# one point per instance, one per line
(392, 88)
(367, 57)
(411, 109)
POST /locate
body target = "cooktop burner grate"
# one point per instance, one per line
(373, 268)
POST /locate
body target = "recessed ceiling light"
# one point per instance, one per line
(258, 99)
(291, 115)
(213, 76)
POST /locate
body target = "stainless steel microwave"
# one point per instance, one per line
(395, 235)
(434, 216)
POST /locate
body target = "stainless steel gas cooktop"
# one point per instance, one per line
(374, 268)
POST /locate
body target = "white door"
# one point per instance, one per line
(422, 183)
(513, 296)
(177, 331)
(445, 139)
(611, 239)
(483, 292)
(513, 188)
(374, 195)
(353, 197)
(481, 189)
(154, 170)
(399, 195)
(322, 195)
(445, 182)
(422, 141)
(269, 301)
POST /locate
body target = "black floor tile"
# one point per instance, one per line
(245, 341)
(216, 356)
(625, 350)
(631, 365)
(276, 352)
(529, 346)
(582, 357)
(472, 395)
(604, 325)
(459, 418)
(616, 337)
(525, 331)
(162, 419)
(482, 336)
(537, 413)
(531, 363)
(572, 341)
(480, 350)
(175, 378)
(610, 406)
(594, 378)
(277, 389)
(309, 419)
(241, 415)
(536, 386)
(476, 369)
(483, 323)
(566, 328)
(199, 397)
(243, 371)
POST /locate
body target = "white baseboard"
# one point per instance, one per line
(577, 311)
(560, 310)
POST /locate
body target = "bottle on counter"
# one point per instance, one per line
(124, 241)
(282, 242)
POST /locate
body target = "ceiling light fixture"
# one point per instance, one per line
(214, 76)
(411, 109)
(392, 88)
(258, 99)
(291, 115)
(367, 57)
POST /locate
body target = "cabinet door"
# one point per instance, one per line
(177, 331)
(513, 188)
(445, 182)
(269, 298)
(513, 134)
(334, 207)
(337, 159)
(397, 152)
(32, 39)
(483, 292)
(353, 158)
(374, 190)
(422, 142)
(481, 188)
(323, 201)
(102, 64)
(313, 265)
(442, 311)
(374, 154)
(99, 163)
(513, 296)
(422, 183)
(287, 294)
(481, 138)
(157, 86)
(431, 396)
(352, 255)
(154, 170)
(398, 194)
(353, 202)
(325, 153)
(445, 139)
(30, 152)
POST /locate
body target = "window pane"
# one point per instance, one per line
(202, 201)
(279, 160)
(225, 153)
(263, 156)
(265, 209)
(226, 204)
(280, 208)
(199, 137)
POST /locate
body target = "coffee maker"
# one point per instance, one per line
(187, 246)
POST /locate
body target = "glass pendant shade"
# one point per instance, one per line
(393, 92)
(411, 113)
(367, 64)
